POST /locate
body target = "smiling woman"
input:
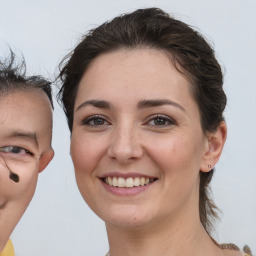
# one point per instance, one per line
(25, 143)
(144, 102)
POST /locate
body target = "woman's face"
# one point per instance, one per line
(25, 149)
(137, 143)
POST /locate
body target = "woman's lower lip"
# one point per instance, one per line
(125, 191)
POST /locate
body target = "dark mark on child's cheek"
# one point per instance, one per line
(14, 177)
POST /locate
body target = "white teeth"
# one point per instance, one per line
(128, 182)
(109, 181)
(136, 182)
(114, 182)
(121, 182)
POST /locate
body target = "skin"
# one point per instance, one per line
(29, 132)
(127, 137)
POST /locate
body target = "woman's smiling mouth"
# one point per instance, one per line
(129, 182)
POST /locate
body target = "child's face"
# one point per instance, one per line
(25, 149)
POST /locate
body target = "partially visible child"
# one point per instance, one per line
(25, 142)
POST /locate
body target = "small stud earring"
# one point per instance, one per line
(209, 166)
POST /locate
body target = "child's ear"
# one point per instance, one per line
(45, 159)
(214, 145)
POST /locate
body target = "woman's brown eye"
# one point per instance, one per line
(160, 121)
(95, 121)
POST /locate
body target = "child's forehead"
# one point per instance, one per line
(25, 102)
(28, 114)
(24, 95)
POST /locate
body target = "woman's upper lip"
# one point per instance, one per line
(125, 175)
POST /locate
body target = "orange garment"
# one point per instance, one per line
(8, 249)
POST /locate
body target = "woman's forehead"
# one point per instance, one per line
(148, 71)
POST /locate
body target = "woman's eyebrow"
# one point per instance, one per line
(140, 105)
(157, 103)
(95, 103)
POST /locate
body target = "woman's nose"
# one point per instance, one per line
(125, 145)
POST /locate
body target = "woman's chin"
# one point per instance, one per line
(125, 223)
(126, 219)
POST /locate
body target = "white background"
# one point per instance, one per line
(58, 222)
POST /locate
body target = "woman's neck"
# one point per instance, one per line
(174, 238)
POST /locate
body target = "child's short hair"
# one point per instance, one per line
(13, 77)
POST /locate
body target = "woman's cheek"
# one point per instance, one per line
(169, 151)
(86, 152)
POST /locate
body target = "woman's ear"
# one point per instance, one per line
(45, 159)
(214, 145)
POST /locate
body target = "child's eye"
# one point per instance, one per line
(95, 121)
(159, 120)
(15, 150)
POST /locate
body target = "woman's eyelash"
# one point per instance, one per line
(154, 120)
(95, 120)
(160, 120)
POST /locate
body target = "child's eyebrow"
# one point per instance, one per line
(24, 134)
